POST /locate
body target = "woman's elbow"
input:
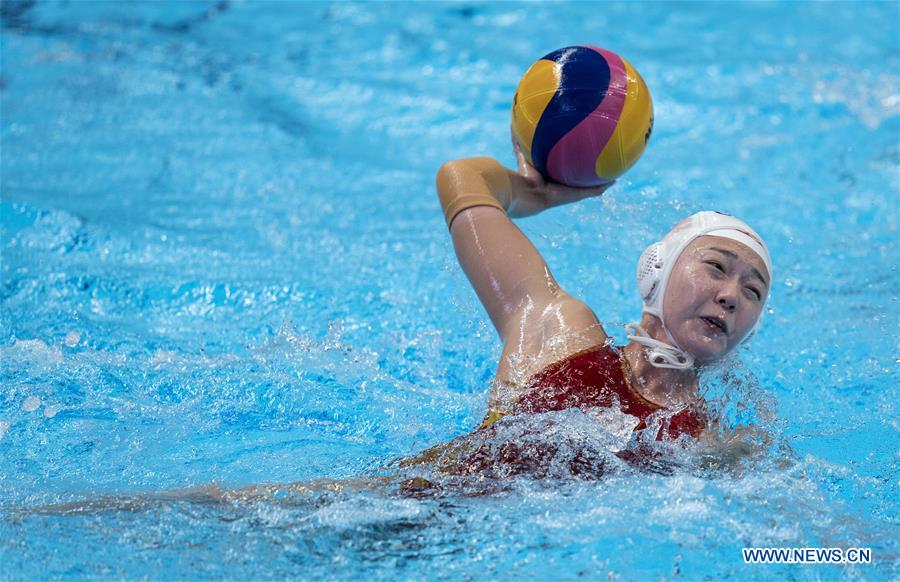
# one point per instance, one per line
(449, 176)
(453, 179)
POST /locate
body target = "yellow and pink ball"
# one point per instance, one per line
(582, 116)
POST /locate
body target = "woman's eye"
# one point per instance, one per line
(755, 293)
(716, 265)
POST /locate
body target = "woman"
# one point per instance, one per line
(703, 287)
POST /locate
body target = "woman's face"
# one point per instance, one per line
(714, 296)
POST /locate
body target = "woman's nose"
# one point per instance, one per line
(727, 298)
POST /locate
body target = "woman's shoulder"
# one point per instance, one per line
(548, 334)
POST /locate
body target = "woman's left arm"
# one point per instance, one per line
(726, 448)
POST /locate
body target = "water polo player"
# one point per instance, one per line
(582, 116)
(703, 288)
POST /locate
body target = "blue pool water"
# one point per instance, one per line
(223, 261)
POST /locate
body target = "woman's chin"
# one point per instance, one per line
(706, 350)
(709, 359)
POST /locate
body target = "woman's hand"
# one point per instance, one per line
(532, 193)
(726, 449)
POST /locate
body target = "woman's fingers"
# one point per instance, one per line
(568, 193)
(526, 170)
(550, 193)
(520, 159)
(529, 172)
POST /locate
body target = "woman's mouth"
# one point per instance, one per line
(716, 324)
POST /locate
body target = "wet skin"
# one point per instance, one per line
(714, 297)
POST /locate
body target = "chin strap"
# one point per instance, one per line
(662, 355)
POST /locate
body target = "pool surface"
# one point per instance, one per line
(224, 262)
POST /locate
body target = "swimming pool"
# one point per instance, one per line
(223, 260)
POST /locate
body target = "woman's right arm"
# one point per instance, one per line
(509, 275)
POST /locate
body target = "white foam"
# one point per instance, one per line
(34, 351)
(616, 423)
(871, 96)
(359, 512)
(31, 403)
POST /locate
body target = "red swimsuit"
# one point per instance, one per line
(597, 377)
(592, 379)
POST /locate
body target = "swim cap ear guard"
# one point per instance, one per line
(649, 270)
(655, 267)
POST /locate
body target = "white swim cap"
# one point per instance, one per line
(655, 267)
